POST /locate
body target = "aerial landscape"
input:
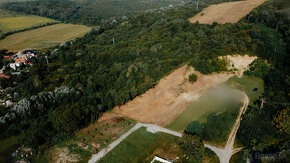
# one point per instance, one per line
(130, 81)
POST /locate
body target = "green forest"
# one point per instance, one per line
(119, 60)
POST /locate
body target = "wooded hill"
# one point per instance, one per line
(95, 12)
(106, 73)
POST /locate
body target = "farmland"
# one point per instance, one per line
(43, 37)
(220, 13)
(10, 21)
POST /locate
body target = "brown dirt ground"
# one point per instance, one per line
(230, 12)
(62, 155)
(170, 97)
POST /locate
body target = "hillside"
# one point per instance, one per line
(137, 67)
(91, 12)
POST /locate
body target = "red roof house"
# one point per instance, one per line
(20, 60)
(4, 76)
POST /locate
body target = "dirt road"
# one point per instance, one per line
(226, 153)
(230, 12)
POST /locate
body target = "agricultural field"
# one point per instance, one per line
(10, 21)
(43, 37)
(142, 146)
(220, 13)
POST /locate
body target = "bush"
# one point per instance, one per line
(192, 78)
(194, 128)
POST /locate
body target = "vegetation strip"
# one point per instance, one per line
(150, 128)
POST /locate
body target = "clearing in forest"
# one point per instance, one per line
(44, 37)
(230, 12)
(171, 96)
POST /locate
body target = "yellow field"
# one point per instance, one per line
(44, 37)
(10, 21)
(229, 12)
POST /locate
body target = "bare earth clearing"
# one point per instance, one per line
(171, 96)
(230, 12)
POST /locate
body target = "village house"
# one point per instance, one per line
(25, 54)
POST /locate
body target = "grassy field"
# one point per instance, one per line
(247, 84)
(199, 110)
(142, 146)
(44, 37)
(10, 21)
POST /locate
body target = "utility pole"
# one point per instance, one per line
(197, 1)
(113, 40)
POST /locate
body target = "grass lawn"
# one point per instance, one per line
(44, 37)
(142, 146)
(209, 103)
(212, 103)
(7, 146)
(247, 84)
(10, 21)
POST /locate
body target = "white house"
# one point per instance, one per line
(15, 65)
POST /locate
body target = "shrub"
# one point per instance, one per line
(194, 128)
(192, 78)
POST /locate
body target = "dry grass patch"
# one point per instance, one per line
(230, 12)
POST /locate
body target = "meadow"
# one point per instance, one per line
(247, 84)
(10, 21)
(142, 146)
(43, 37)
(200, 109)
(220, 107)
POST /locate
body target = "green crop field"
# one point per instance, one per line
(10, 21)
(44, 37)
(142, 146)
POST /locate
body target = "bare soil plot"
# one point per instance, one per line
(162, 104)
(170, 97)
(230, 12)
